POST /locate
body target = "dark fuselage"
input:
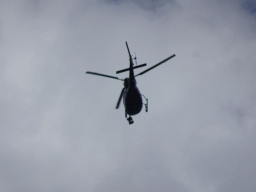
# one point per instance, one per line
(132, 100)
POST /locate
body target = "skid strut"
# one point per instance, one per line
(146, 104)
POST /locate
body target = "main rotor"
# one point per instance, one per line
(132, 66)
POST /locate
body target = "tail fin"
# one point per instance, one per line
(128, 51)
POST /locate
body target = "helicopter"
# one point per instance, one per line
(132, 98)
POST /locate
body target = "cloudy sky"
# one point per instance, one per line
(59, 130)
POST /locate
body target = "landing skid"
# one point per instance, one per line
(146, 104)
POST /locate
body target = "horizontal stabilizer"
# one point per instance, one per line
(138, 66)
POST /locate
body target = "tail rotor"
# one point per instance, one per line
(135, 58)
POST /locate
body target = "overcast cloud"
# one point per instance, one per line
(59, 129)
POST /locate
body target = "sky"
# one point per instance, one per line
(59, 129)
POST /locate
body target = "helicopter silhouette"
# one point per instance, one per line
(132, 98)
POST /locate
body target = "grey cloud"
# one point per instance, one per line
(228, 164)
(150, 5)
(249, 6)
(60, 131)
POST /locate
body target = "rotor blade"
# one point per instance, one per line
(156, 65)
(93, 73)
(120, 98)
